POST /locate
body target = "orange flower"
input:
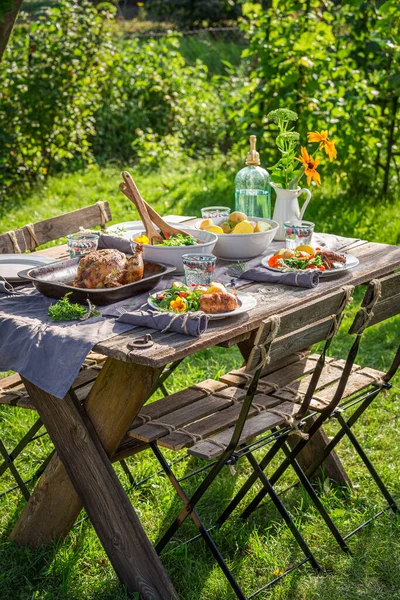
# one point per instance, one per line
(178, 305)
(324, 142)
(310, 166)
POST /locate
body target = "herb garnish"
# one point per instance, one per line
(63, 310)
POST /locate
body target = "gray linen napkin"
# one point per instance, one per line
(48, 354)
(309, 279)
(112, 241)
(193, 324)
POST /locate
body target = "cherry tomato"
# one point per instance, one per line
(321, 268)
(183, 294)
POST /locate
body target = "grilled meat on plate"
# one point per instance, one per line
(328, 258)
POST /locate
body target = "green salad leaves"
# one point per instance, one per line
(179, 240)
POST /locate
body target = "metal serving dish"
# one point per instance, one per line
(54, 280)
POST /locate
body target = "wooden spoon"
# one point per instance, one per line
(138, 201)
(155, 217)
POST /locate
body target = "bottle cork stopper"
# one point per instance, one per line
(253, 157)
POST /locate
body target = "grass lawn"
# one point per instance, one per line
(79, 568)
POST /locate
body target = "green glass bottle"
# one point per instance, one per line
(252, 186)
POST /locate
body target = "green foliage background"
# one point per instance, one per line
(74, 91)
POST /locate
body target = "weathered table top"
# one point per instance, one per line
(376, 260)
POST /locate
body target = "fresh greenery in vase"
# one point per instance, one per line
(287, 173)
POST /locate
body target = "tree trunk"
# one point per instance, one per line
(7, 21)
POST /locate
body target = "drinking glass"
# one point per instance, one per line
(298, 234)
(199, 268)
(82, 243)
(212, 212)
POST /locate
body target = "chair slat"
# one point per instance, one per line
(390, 286)
(55, 228)
(293, 342)
(302, 316)
(213, 424)
(357, 381)
(390, 307)
(210, 448)
(154, 430)
(177, 401)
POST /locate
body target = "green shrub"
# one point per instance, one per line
(51, 83)
(155, 105)
(194, 13)
(337, 65)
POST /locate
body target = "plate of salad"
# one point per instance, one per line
(305, 258)
(214, 300)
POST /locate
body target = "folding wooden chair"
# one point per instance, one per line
(355, 389)
(32, 235)
(217, 423)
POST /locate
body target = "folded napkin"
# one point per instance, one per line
(193, 324)
(115, 242)
(308, 279)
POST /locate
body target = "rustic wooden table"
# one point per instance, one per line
(85, 437)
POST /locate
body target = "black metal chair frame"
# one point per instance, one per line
(230, 456)
(332, 411)
(32, 435)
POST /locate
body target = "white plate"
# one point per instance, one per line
(11, 264)
(246, 301)
(129, 229)
(351, 262)
(125, 230)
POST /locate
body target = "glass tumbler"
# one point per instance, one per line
(82, 243)
(298, 234)
(212, 212)
(199, 268)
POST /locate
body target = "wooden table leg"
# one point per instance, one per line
(332, 465)
(82, 437)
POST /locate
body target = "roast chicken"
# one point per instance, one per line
(109, 268)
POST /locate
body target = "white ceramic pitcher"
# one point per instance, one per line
(287, 207)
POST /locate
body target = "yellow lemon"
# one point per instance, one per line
(262, 226)
(216, 288)
(214, 229)
(305, 248)
(206, 223)
(243, 227)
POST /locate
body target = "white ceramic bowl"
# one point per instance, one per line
(172, 255)
(242, 246)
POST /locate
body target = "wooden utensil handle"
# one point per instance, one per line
(141, 207)
(153, 214)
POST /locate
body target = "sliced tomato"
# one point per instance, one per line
(183, 294)
(321, 268)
